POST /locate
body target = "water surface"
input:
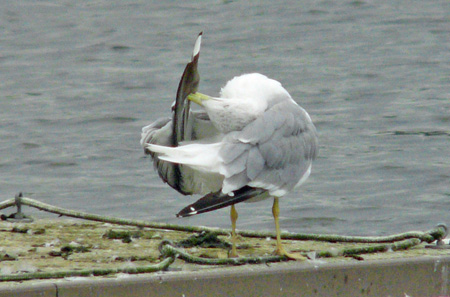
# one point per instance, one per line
(79, 79)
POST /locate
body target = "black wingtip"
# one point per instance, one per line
(214, 201)
(187, 212)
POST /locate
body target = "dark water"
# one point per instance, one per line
(78, 80)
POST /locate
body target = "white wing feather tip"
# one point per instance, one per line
(198, 42)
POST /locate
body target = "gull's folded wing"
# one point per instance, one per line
(218, 200)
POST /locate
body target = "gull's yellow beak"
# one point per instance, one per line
(198, 98)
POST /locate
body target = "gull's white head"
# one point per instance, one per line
(242, 100)
(255, 86)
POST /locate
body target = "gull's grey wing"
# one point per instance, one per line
(188, 84)
(160, 132)
(185, 125)
(277, 150)
(270, 155)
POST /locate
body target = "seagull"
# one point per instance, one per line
(253, 142)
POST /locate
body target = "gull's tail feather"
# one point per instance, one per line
(218, 200)
(199, 156)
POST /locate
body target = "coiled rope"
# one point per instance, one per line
(169, 251)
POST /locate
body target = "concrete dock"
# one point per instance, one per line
(424, 276)
(39, 247)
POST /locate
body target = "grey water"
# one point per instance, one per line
(78, 80)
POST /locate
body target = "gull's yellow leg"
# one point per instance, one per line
(234, 217)
(280, 250)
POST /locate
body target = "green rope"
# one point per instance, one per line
(397, 242)
(428, 236)
(401, 245)
(164, 264)
(435, 234)
(167, 250)
(106, 219)
(7, 203)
